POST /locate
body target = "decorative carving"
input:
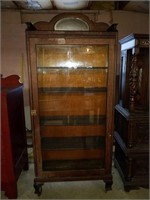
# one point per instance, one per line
(142, 136)
(144, 42)
(113, 28)
(30, 26)
(131, 128)
(133, 82)
(10, 81)
(74, 18)
(142, 166)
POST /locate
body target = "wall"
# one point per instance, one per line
(13, 43)
(13, 53)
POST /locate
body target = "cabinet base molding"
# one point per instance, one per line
(132, 167)
(39, 182)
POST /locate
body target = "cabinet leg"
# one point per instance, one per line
(38, 188)
(11, 190)
(25, 161)
(108, 185)
(26, 166)
(127, 188)
(115, 164)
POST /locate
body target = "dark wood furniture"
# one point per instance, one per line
(14, 157)
(72, 79)
(132, 113)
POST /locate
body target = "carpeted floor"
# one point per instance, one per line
(75, 189)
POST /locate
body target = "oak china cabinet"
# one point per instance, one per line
(72, 77)
(132, 113)
(14, 156)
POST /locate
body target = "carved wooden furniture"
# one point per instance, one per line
(132, 113)
(14, 157)
(72, 79)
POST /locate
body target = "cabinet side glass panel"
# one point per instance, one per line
(72, 85)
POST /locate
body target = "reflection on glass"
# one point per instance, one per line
(71, 24)
(72, 86)
(66, 77)
(72, 81)
(70, 104)
(72, 56)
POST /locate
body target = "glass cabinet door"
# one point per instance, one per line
(72, 90)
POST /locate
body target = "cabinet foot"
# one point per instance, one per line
(127, 188)
(11, 190)
(108, 185)
(38, 188)
(26, 166)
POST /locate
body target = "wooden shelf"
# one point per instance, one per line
(91, 142)
(58, 165)
(73, 131)
(67, 90)
(73, 120)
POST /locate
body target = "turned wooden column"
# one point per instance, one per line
(133, 83)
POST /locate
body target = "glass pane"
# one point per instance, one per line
(72, 164)
(72, 142)
(72, 86)
(70, 77)
(72, 56)
(71, 24)
(68, 104)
